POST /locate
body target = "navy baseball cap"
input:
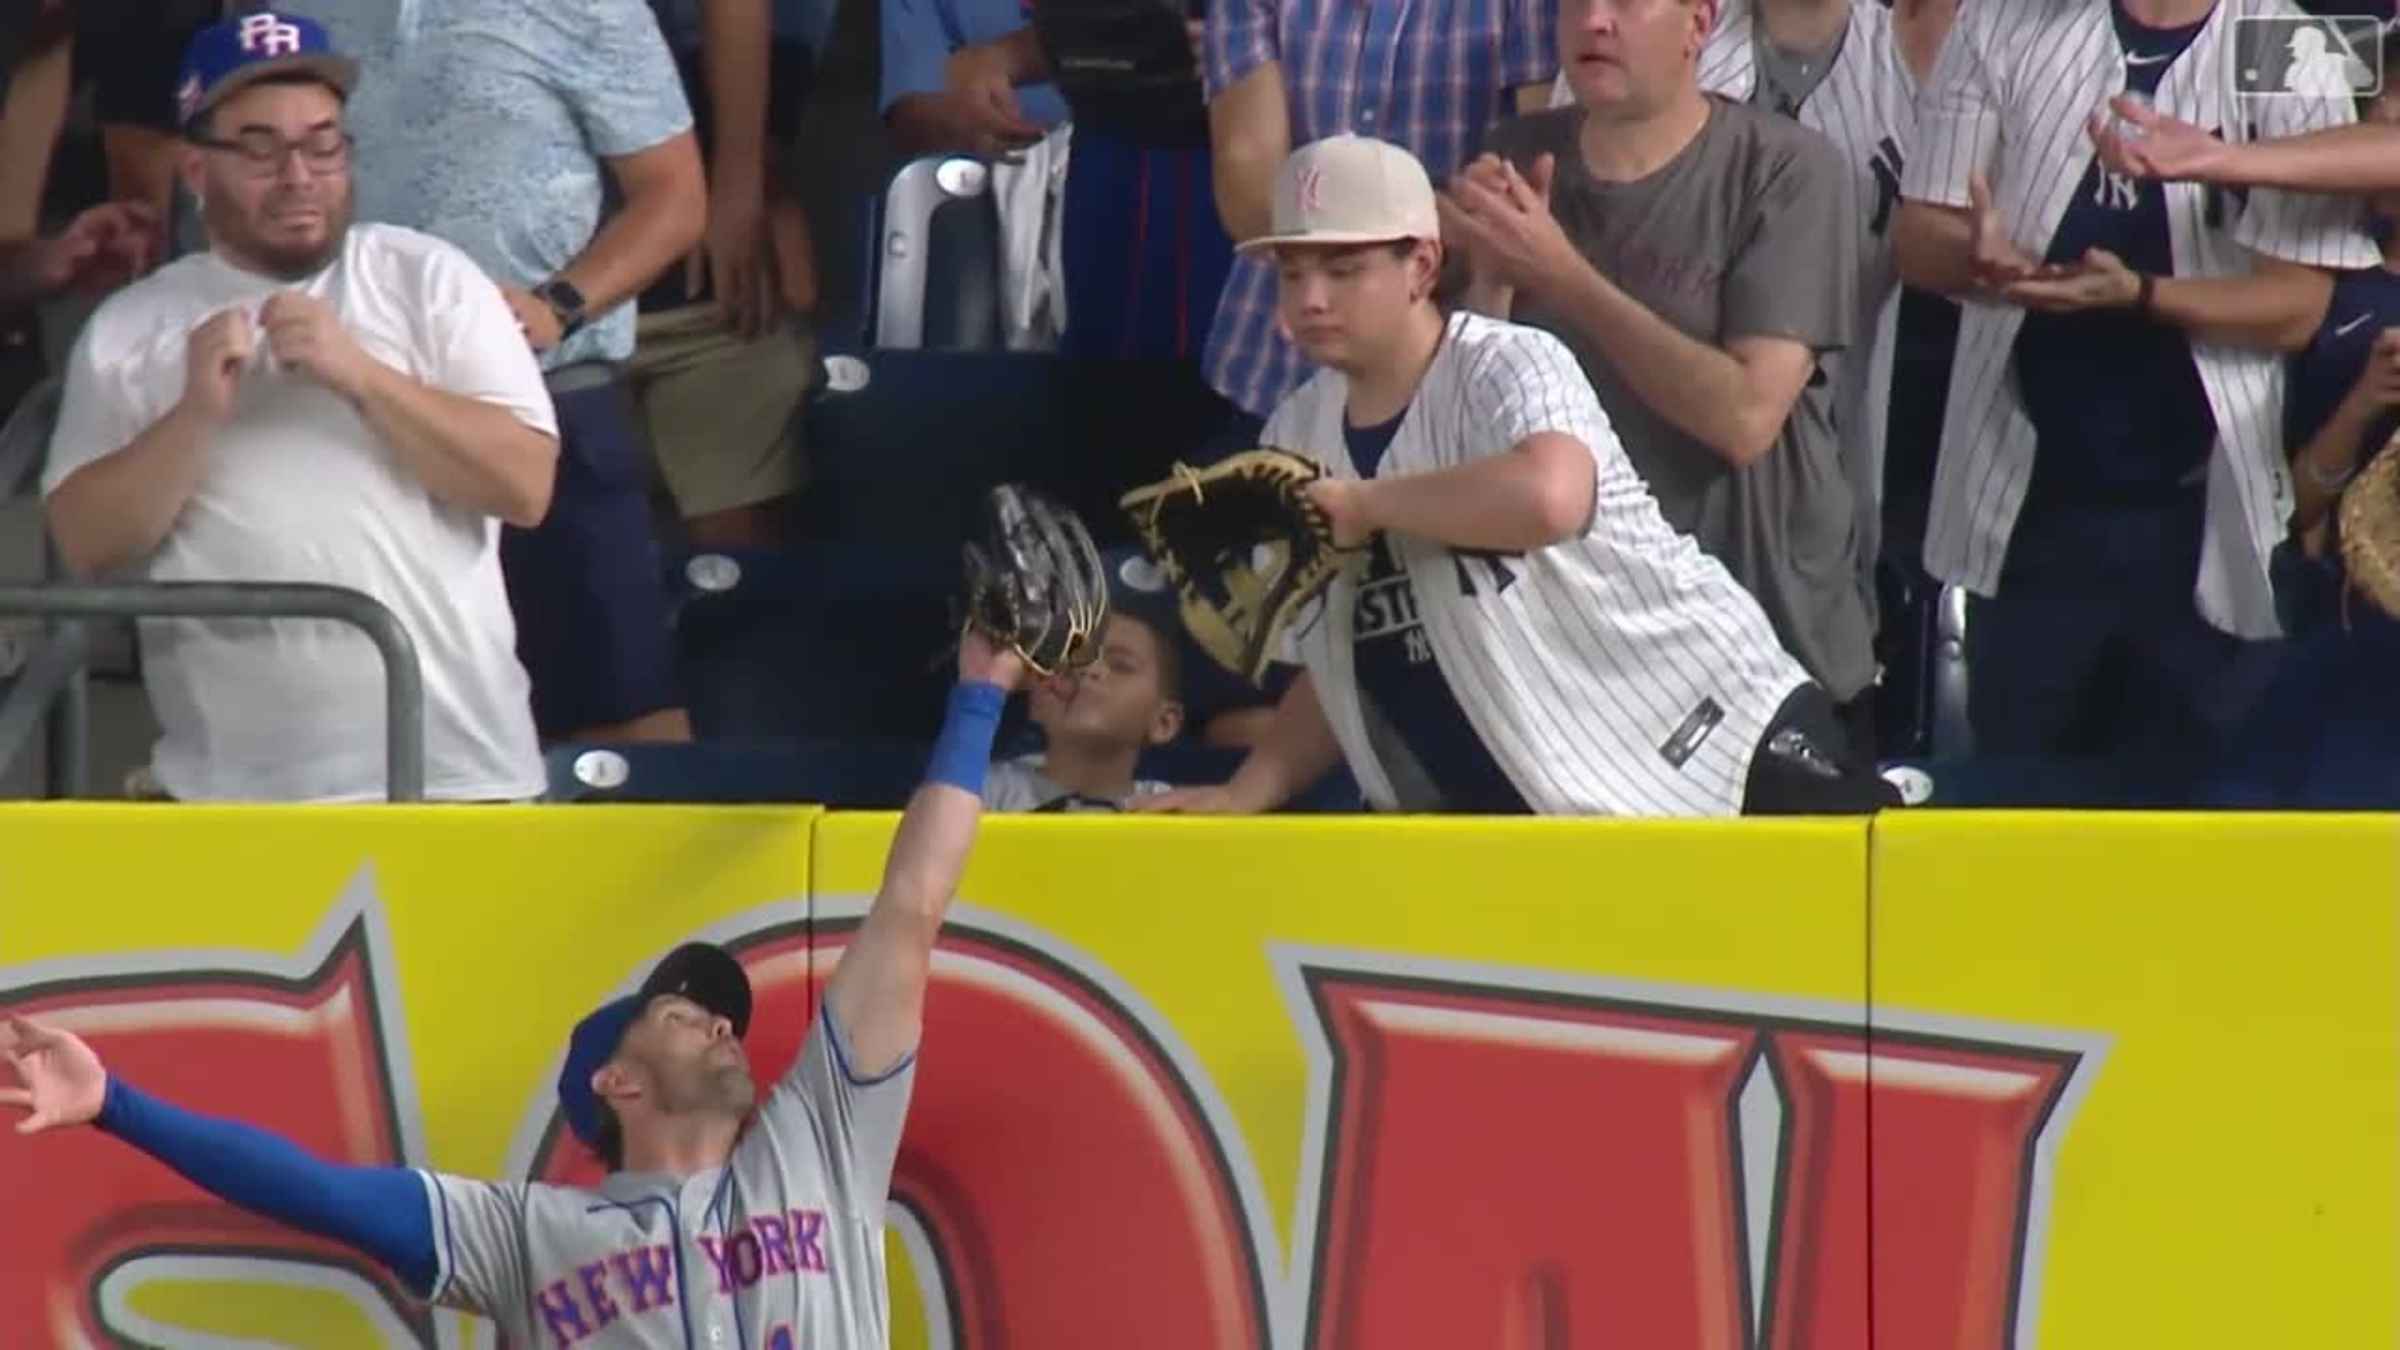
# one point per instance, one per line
(224, 58)
(700, 971)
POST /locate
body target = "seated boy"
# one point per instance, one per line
(1097, 721)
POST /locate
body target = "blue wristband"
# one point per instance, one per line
(963, 753)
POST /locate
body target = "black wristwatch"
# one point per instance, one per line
(565, 302)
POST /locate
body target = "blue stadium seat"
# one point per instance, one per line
(848, 773)
(824, 639)
(854, 773)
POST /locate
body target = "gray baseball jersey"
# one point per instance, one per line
(2008, 99)
(1619, 672)
(781, 1248)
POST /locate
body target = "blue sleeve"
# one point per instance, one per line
(917, 42)
(381, 1211)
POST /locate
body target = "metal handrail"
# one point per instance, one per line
(46, 675)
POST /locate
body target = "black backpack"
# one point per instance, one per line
(1125, 68)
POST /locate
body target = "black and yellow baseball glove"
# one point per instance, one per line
(1244, 547)
(1034, 581)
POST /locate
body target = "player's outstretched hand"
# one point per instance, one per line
(60, 1081)
(2139, 141)
(980, 660)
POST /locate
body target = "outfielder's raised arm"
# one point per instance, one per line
(1033, 583)
(877, 994)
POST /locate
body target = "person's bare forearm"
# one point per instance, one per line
(1522, 499)
(663, 215)
(18, 286)
(2276, 310)
(2329, 457)
(141, 168)
(116, 510)
(2359, 158)
(736, 42)
(1250, 135)
(1934, 248)
(1700, 389)
(1297, 749)
(33, 110)
(469, 454)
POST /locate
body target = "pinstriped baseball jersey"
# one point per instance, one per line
(780, 1248)
(1865, 105)
(2008, 98)
(1620, 672)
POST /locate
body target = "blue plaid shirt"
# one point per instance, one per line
(1429, 75)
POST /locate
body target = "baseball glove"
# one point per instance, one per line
(2370, 529)
(1034, 581)
(1243, 546)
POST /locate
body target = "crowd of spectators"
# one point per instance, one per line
(493, 310)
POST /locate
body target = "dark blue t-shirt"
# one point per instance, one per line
(2117, 405)
(1398, 674)
(2321, 375)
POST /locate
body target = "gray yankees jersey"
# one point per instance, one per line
(781, 1248)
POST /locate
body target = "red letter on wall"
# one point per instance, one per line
(304, 1058)
(1537, 1171)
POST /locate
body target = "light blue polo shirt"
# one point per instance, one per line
(484, 122)
(919, 35)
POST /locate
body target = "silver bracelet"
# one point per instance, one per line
(2323, 481)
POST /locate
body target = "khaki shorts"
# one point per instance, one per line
(722, 415)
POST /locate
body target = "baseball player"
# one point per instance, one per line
(727, 1218)
(2111, 483)
(1526, 632)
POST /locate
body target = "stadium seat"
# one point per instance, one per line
(820, 640)
(849, 773)
(934, 279)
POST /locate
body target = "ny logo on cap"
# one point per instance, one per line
(1312, 190)
(270, 35)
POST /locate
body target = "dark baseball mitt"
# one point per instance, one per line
(1034, 581)
(1244, 547)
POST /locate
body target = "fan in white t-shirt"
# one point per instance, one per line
(307, 402)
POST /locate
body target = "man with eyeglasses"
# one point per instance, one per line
(307, 401)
